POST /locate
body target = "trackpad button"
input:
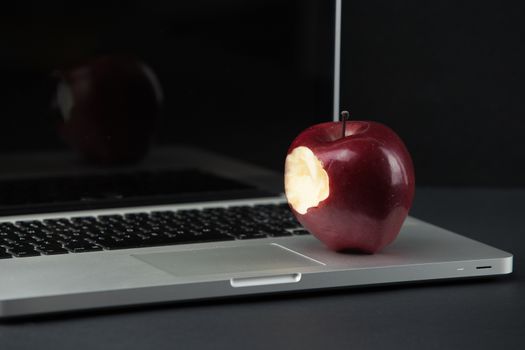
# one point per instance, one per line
(226, 260)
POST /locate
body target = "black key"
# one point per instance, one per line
(84, 219)
(163, 214)
(57, 222)
(24, 240)
(136, 216)
(18, 245)
(197, 237)
(7, 226)
(243, 231)
(168, 240)
(30, 224)
(301, 232)
(73, 241)
(279, 233)
(110, 218)
(37, 235)
(5, 255)
(47, 244)
(251, 235)
(77, 244)
(127, 243)
(8, 235)
(240, 208)
(267, 226)
(210, 233)
(23, 252)
(289, 225)
(52, 250)
(267, 207)
(124, 243)
(4, 244)
(77, 235)
(100, 240)
(85, 249)
(157, 221)
(214, 211)
(187, 212)
(293, 220)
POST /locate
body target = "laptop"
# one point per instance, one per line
(142, 151)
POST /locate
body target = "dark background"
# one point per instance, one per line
(233, 75)
(448, 76)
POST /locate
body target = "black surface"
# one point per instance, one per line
(117, 189)
(229, 72)
(113, 186)
(448, 77)
(472, 314)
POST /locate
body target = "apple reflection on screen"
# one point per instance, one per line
(109, 107)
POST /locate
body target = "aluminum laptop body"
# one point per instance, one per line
(168, 273)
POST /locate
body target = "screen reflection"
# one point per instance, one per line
(110, 89)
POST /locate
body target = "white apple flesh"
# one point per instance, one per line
(306, 182)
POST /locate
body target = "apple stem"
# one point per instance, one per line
(345, 115)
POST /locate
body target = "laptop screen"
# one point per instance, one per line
(92, 93)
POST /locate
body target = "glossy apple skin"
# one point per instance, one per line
(371, 182)
(109, 107)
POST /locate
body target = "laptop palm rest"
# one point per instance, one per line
(227, 260)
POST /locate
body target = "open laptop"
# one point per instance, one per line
(142, 151)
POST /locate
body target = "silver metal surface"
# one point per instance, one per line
(116, 278)
(337, 60)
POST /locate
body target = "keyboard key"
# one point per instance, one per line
(163, 214)
(52, 250)
(57, 223)
(279, 233)
(110, 218)
(30, 224)
(4, 254)
(23, 252)
(300, 232)
(250, 235)
(79, 245)
(7, 226)
(8, 236)
(24, 240)
(84, 219)
(136, 216)
(85, 249)
(9, 245)
(290, 225)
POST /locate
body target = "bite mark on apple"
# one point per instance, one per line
(306, 183)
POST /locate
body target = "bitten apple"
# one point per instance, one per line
(351, 184)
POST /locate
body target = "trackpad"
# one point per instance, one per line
(224, 260)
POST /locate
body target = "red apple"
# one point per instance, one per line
(109, 107)
(351, 192)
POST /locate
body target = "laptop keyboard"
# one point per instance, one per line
(145, 229)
